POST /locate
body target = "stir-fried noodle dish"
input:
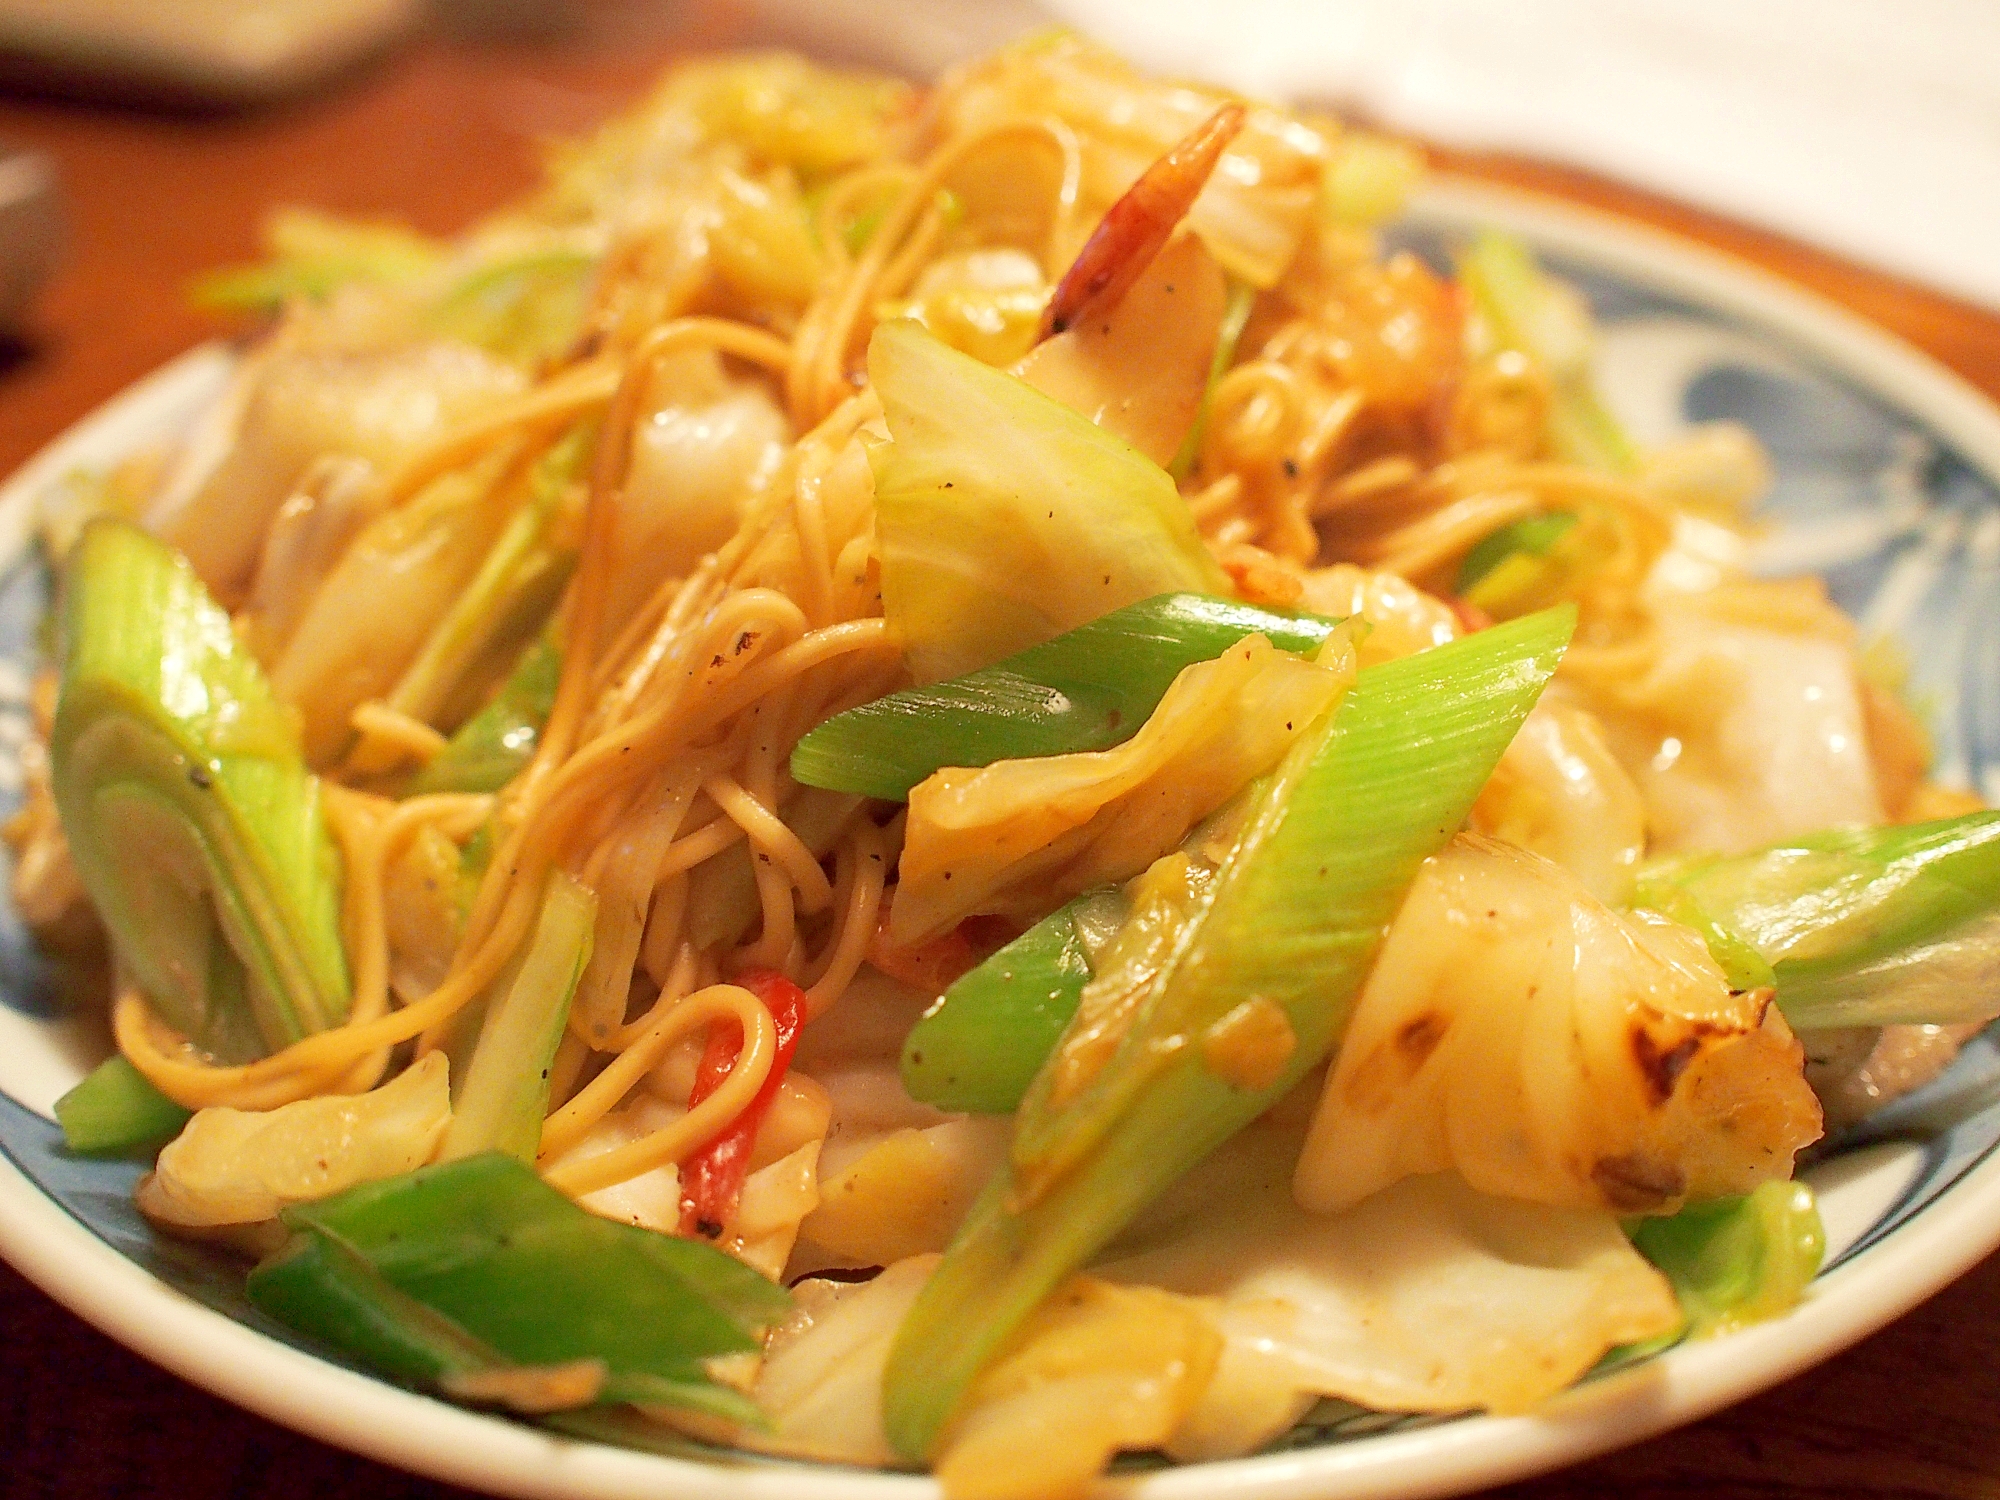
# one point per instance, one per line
(936, 778)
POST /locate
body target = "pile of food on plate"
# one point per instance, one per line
(936, 778)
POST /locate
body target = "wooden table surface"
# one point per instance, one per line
(436, 135)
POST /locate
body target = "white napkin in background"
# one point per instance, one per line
(1871, 127)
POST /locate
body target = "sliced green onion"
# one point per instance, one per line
(504, 605)
(527, 307)
(1530, 310)
(1287, 930)
(194, 823)
(1088, 689)
(115, 1110)
(319, 1287)
(314, 254)
(502, 1092)
(1242, 298)
(980, 1046)
(485, 1245)
(1736, 1261)
(1860, 927)
(1532, 536)
(495, 745)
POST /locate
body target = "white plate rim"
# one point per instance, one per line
(426, 1436)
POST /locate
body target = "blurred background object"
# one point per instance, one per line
(31, 231)
(1868, 126)
(191, 52)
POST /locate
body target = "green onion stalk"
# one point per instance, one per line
(1278, 947)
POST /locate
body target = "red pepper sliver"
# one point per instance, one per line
(1469, 615)
(712, 1178)
(935, 964)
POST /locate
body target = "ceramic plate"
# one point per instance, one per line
(1886, 483)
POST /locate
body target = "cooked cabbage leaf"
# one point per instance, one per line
(1004, 518)
(1254, 992)
(1428, 1296)
(1547, 1048)
(1011, 837)
(244, 1166)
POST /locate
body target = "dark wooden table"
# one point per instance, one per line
(444, 131)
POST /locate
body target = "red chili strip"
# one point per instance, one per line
(1470, 616)
(712, 1178)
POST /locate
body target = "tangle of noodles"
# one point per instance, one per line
(1364, 422)
(666, 748)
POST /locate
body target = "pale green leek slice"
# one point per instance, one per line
(1898, 925)
(115, 1110)
(312, 255)
(495, 745)
(502, 1088)
(529, 306)
(1280, 945)
(1735, 1261)
(506, 602)
(194, 823)
(1528, 309)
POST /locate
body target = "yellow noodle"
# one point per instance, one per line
(541, 412)
(682, 978)
(193, 1085)
(773, 839)
(777, 932)
(868, 862)
(1450, 532)
(830, 329)
(409, 738)
(1383, 476)
(661, 948)
(901, 269)
(831, 219)
(1255, 408)
(1216, 499)
(809, 510)
(602, 1094)
(698, 847)
(1327, 429)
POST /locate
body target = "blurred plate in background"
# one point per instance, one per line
(191, 52)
